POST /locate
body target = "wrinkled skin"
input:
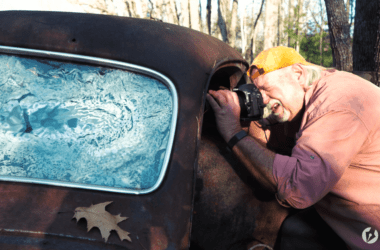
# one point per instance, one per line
(232, 210)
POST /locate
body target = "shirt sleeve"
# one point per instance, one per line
(325, 148)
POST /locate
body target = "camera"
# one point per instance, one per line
(251, 102)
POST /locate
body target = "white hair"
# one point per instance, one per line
(313, 73)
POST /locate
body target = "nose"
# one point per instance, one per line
(266, 99)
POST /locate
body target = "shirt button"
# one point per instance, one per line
(311, 157)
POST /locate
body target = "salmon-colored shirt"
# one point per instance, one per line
(335, 164)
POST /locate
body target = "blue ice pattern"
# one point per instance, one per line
(82, 124)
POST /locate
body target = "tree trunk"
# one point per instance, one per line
(254, 31)
(366, 44)
(129, 8)
(144, 9)
(271, 24)
(320, 27)
(281, 27)
(185, 13)
(172, 12)
(209, 16)
(366, 25)
(243, 36)
(321, 33)
(290, 19)
(200, 18)
(194, 15)
(139, 12)
(377, 47)
(300, 21)
(254, 44)
(340, 34)
(221, 21)
(233, 23)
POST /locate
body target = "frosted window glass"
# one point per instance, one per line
(82, 124)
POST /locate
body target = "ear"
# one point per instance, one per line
(299, 73)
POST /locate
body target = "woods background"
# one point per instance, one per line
(322, 31)
(249, 26)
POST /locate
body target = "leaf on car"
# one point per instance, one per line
(97, 216)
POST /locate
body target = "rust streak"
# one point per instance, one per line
(158, 239)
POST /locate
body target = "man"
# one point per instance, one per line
(335, 163)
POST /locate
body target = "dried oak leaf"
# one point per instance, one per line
(97, 216)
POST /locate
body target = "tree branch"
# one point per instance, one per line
(258, 16)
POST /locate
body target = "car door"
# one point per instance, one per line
(100, 112)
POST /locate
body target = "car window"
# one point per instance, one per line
(71, 124)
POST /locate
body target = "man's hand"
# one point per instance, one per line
(227, 112)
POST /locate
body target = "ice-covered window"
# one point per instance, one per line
(79, 124)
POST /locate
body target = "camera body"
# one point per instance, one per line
(251, 102)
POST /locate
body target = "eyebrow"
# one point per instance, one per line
(258, 85)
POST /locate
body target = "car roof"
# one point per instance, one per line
(157, 45)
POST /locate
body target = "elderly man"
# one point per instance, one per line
(335, 163)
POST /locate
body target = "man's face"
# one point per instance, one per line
(282, 92)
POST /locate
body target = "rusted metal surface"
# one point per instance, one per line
(40, 216)
(231, 211)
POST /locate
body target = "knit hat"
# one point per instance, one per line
(275, 58)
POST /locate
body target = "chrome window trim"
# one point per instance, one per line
(109, 63)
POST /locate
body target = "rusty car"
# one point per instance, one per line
(99, 109)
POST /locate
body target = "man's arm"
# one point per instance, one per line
(255, 156)
(258, 160)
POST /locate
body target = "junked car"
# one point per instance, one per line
(107, 141)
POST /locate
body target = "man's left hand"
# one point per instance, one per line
(226, 106)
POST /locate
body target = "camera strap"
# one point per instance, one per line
(237, 137)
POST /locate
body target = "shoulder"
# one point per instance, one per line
(339, 91)
(339, 83)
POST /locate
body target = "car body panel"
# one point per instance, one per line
(41, 216)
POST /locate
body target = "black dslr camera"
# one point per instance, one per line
(251, 102)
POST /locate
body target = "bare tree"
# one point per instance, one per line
(271, 24)
(143, 9)
(222, 9)
(365, 44)
(289, 20)
(185, 14)
(234, 23)
(348, 4)
(97, 6)
(208, 17)
(158, 9)
(172, 12)
(194, 15)
(281, 24)
(320, 26)
(203, 27)
(339, 34)
(243, 28)
(321, 34)
(377, 47)
(134, 10)
(254, 30)
(300, 22)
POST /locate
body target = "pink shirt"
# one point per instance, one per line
(335, 164)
